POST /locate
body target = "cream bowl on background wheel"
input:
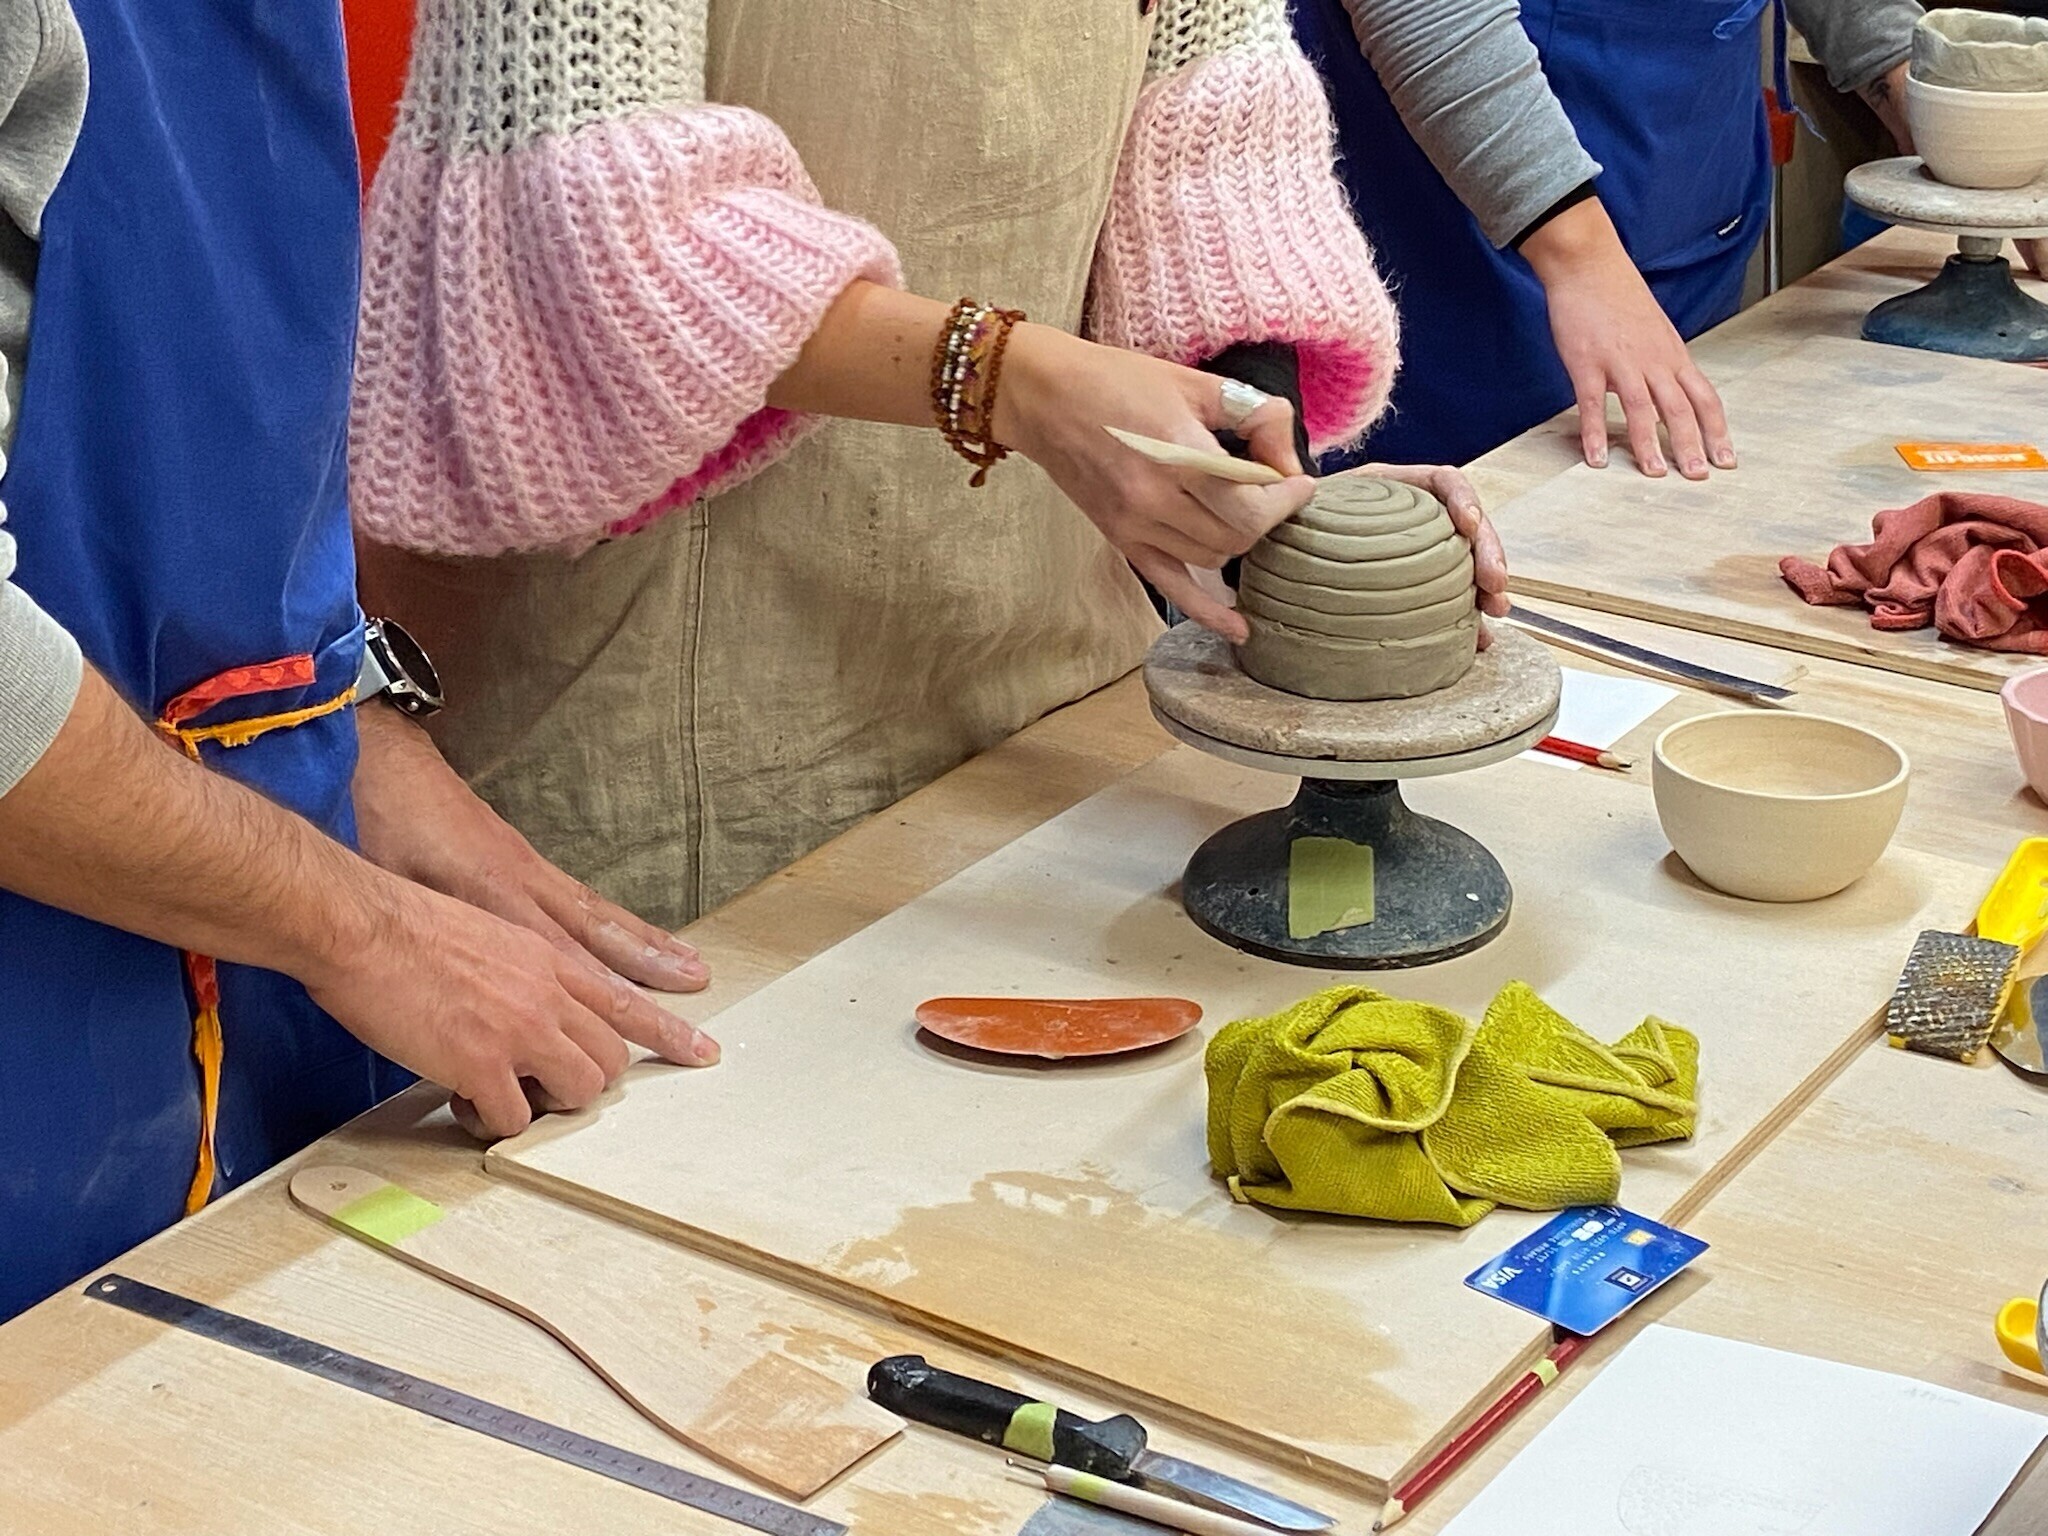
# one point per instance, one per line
(1993, 139)
(1777, 806)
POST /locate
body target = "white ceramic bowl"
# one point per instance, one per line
(1979, 138)
(1776, 806)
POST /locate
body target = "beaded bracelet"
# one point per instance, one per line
(967, 367)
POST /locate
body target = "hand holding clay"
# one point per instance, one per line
(1173, 525)
(1614, 339)
(1449, 486)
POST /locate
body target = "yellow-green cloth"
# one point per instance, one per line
(1362, 1104)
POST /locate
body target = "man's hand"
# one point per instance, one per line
(417, 818)
(114, 825)
(1614, 338)
(492, 1012)
(1449, 486)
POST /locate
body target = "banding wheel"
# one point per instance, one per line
(1437, 892)
(1973, 307)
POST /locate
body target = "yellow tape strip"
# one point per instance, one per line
(388, 1215)
(1030, 1431)
(1329, 886)
(1546, 1371)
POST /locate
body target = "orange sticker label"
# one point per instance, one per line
(1940, 456)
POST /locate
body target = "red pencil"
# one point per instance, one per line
(1579, 752)
(1477, 1433)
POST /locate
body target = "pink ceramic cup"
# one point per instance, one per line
(2026, 715)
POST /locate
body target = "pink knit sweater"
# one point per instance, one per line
(580, 279)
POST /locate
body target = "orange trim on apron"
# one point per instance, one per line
(203, 971)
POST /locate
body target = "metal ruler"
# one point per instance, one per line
(453, 1407)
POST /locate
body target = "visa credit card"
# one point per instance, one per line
(1589, 1266)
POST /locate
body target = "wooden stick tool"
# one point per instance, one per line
(1175, 456)
(1127, 1500)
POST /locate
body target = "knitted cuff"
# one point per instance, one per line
(568, 338)
(1227, 224)
(40, 670)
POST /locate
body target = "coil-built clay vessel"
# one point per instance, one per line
(1366, 593)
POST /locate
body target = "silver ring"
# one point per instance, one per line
(1239, 401)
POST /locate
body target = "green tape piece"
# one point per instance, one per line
(1030, 1431)
(1086, 1485)
(1329, 886)
(388, 1215)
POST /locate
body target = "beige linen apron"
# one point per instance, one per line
(674, 715)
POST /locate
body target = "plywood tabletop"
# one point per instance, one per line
(1829, 302)
(1821, 427)
(106, 1424)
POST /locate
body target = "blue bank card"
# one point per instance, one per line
(1589, 1266)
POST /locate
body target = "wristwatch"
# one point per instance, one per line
(396, 667)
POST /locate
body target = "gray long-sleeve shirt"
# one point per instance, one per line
(42, 100)
(1469, 85)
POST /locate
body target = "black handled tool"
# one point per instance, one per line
(905, 1384)
(1112, 1448)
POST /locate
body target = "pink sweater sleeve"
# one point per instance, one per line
(1228, 224)
(573, 308)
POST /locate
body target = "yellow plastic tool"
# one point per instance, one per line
(2018, 905)
(2019, 1332)
(2016, 910)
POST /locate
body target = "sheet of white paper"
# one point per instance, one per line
(1599, 709)
(1686, 1434)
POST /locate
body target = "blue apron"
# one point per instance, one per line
(1665, 94)
(178, 491)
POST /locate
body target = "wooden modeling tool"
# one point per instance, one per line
(1475, 1436)
(1202, 460)
(1641, 659)
(757, 1411)
(460, 1409)
(1956, 986)
(1157, 1508)
(1579, 752)
(1056, 1028)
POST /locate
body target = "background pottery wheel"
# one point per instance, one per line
(1436, 892)
(1974, 308)
(1058, 1027)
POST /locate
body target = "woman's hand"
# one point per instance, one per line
(1449, 486)
(1614, 338)
(1056, 395)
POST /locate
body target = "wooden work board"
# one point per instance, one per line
(1064, 1215)
(1818, 430)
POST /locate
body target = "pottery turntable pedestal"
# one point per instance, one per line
(1437, 891)
(1974, 308)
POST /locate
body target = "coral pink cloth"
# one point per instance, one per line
(566, 339)
(1227, 224)
(1969, 563)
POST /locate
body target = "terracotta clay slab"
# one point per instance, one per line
(1057, 1028)
(1818, 431)
(1070, 1219)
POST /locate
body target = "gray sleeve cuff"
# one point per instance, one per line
(1856, 40)
(1470, 87)
(40, 669)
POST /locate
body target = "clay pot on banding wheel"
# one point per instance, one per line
(1366, 593)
